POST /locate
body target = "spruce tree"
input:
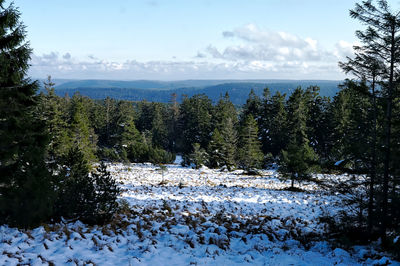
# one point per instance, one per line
(266, 122)
(107, 190)
(251, 107)
(195, 122)
(222, 147)
(216, 156)
(172, 123)
(381, 41)
(159, 128)
(250, 156)
(26, 186)
(80, 128)
(223, 111)
(297, 121)
(277, 131)
(198, 157)
(228, 147)
(53, 113)
(90, 197)
(298, 159)
(297, 162)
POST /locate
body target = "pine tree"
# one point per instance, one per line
(172, 122)
(228, 148)
(278, 133)
(381, 41)
(195, 122)
(297, 162)
(198, 157)
(266, 122)
(106, 193)
(80, 130)
(224, 111)
(75, 189)
(159, 129)
(354, 126)
(105, 117)
(216, 156)
(251, 107)
(298, 159)
(250, 156)
(222, 147)
(129, 137)
(297, 121)
(52, 112)
(90, 197)
(26, 186)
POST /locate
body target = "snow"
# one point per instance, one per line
(200, 217)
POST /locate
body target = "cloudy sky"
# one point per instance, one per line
(189, 39)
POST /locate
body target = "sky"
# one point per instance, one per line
(189, 39)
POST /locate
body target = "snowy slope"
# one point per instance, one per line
(199, 217)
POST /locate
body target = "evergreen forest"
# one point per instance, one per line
(54, 150)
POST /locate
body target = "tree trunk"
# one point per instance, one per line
(388, 132)
(373, 166)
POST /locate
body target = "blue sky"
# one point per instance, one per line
(189, 39)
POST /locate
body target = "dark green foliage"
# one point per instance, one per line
(198, 157)
(81, 131)
(142, 152)
(53, 110)
(222, 146)
(75, 192)
(195, 122)
(251, 107)
(216, 156)
(273, 123)
(160, 156)
(298, 158)
(250, 156)
(90, 197)
(127, 137)
(376, 62)
(229, 147)
(106, 192)
(106, 116)
(26, 187)
(159, 131)
(266, 120)
(224, 111)
(297, 162)
(297, 121)
(111, 154)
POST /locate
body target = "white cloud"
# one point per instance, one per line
(343, 49)
(253, 53)
(67, 56)
(266, 45)
(199, 68)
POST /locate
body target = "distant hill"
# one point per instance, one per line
(160, 91)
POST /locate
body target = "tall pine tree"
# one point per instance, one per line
(250, 156)
(26, 188)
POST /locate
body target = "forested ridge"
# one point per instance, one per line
(161, 91)
(53, 149)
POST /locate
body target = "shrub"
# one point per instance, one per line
(90, 197)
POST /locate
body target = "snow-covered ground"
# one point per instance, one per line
(184, 216)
